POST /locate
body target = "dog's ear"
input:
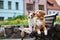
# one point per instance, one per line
(33, 13)
(43, 13)
(28, 13)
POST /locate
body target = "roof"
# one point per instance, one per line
(52, 4)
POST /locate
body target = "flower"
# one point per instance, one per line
(6, 21)
(24, 20)
(18, 19)
(58, 17)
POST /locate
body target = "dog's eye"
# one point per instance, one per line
(31, 15)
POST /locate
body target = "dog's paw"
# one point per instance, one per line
(22, 34)
(39, 32)
(45, 32)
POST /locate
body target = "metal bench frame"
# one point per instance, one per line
(49, 20)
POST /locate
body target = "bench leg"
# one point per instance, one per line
(22, 38)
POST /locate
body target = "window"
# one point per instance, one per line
(29, 7)
(53, 12)
(9, 4)
(1, 4)
(1, 18)
(9, 17)
(41, 7)
(50, 12)
(17, 5)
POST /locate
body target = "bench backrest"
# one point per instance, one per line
(49, 20)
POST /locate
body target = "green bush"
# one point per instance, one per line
(18, 20)
(22, 17)
(57, 19)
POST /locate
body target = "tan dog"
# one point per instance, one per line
(40, 21)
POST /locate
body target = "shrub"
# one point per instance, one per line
(57, 19)
(20, 19)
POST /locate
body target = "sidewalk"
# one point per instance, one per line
(18, 39)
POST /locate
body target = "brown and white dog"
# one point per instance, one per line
(40, 23)
(30, 23)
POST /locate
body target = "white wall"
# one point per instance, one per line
(54, 11)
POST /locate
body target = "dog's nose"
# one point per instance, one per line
(28, 17)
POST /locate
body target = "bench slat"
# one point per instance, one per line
(49, 20)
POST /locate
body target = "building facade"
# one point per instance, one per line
(53, 6)
(10, 8)
(33, 5)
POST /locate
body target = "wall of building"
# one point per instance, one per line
(5, 12)
(37, 2)
(55, 5)
(55, 8)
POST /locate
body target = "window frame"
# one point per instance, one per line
(29, 6)
(2, 5)
(17, 5)
(9, 5)
(41, 7)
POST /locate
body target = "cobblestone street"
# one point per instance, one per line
(18, 39)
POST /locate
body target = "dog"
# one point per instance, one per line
(30, 23)
(35, 23)
(40, 23)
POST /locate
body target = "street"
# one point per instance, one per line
(18, 39)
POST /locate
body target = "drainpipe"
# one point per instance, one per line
(34, 5)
